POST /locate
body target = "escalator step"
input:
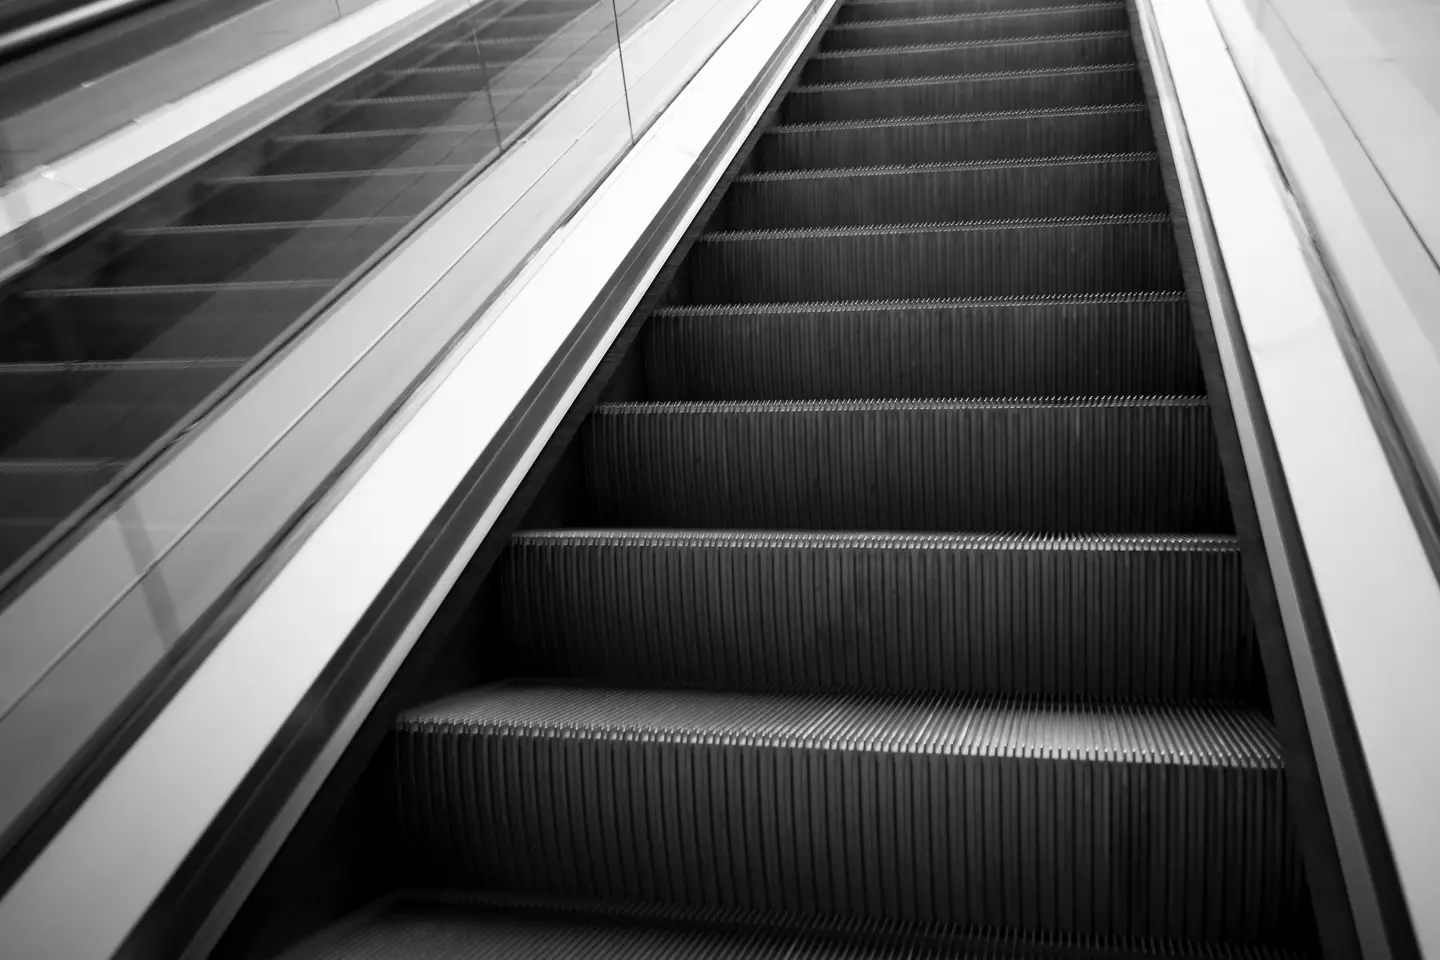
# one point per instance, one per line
(943, 59)
(446, 926)
(948, 192)
(1122, 253)
(966, 137)
(1042, 466)
(1040, 21)
(867, 10)
(928, 808)
(1075, 346)
(965, 93)
(1097, 617)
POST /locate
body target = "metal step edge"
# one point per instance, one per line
(933, 303)
(989, 76)
(1211, 734)
(864, 539)
(909, 169)
(1072, 3)
(967, 44)
(977, 15)
(986, 942)
(978, 116)
(684, 407)
(969, 226)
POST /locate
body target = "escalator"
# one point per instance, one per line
(889, 604)
(114, 346)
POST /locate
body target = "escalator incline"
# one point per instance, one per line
(910, 620)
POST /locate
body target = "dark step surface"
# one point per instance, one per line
(1093, 617)
(1002, 135)
(1119, 253)
(947, 192)
(870, 10)
(848, 615)
(1135, 345)
(470, 927)
(980, 56)
(1112, 466)
(965, 93)
(945, 809)
(1034, 21)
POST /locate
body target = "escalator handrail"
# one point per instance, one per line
(56, 27)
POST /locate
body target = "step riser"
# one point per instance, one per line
(993, 92)
(1135, 469)
(865, 12)
(882, 65)
(999, 138)
(1063, 845)
(1055, 621)
(1004, 27)
(1031, 260)
(920, 196)
(1113, 349)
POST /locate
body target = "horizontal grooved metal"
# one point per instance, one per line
(1123, 253)
(975, 56)
(1038, 21)
(450, 926)
(941, 192)
(1070, 346)
(966, 93)
(1092, 466)
(1081, 617)
(867, 10)
(975, 136)
(1136, 820)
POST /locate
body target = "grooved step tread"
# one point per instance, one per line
(1079, 346)
(1108, 465)
(1119, 253)
(1119, 617)
(454, 926)
(1077, 185)
(1091, 48)
(1170, 735)
(975, 25)
(958, 93)
(948, 809)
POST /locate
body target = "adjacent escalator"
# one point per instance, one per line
(897, 610)
(114, 346)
